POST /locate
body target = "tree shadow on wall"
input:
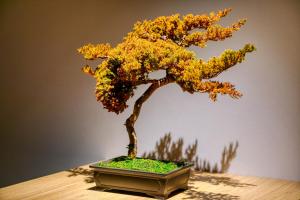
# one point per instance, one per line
(166, 149)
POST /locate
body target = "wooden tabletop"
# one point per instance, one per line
(78, 184)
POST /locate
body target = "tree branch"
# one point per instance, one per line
(145, 81)
(132, 147)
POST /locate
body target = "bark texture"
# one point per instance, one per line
(132, 147)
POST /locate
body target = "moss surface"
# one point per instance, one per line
(141, 164)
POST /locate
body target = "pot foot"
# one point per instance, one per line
(185, 188)
(159, 197)
(102, 188)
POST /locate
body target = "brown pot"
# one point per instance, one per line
(154, 184)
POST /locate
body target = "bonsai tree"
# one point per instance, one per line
(162, 44)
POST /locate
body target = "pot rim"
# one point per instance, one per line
(184, 166)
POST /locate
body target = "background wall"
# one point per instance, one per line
(50, 120)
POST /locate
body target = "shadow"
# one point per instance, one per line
(166, 149)
(228, 155)
(194, 194)
(138, 194)
(176, 192)
(83, 172)
(217, 180)
(115, 191)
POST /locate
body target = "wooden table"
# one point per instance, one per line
(78, 184)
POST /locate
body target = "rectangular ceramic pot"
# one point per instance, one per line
(154, 184)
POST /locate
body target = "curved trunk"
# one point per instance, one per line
(132, 147)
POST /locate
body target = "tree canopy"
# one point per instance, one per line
(162, 44)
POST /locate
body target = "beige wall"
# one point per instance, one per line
(50, 120)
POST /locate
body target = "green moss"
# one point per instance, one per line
(141, 164)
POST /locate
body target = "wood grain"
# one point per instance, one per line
(78, 184)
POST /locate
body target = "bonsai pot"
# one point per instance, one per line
(153, 184)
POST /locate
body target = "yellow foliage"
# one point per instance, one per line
(91, 52)
(161, 44)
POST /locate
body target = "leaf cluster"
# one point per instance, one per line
(162, 44)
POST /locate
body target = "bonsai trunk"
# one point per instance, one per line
(132, 147)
